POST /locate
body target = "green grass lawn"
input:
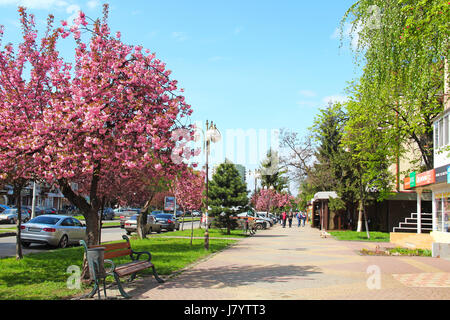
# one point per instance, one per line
(42, 276)
(4, 230)
(375, 236)
(213, 233)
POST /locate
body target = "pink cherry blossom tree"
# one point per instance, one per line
(25, 90)
(188, 190)
(110, 115)
(114, 116)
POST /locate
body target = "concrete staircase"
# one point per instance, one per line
(410, 224)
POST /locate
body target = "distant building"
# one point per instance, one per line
(239, 167)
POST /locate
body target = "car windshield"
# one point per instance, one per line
(45, 220)
(165, 216)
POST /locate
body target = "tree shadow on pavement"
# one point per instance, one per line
(222, 277)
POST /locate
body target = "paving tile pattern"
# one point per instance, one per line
(296, 263)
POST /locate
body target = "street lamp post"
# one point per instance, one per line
(212, 135)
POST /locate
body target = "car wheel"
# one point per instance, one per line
(128, 233)
(259, 226)
(63, 242)
(12, 221)
(159, 230)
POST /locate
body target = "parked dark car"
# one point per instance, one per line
(38, 211)
(108, 214)
(167, 221)
(50, 211)
(179, 213)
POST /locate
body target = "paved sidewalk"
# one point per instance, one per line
(297, 264)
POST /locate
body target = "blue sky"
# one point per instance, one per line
(251, 65)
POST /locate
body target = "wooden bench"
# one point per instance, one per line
(122, 249)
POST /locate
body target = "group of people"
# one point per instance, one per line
(289, 216)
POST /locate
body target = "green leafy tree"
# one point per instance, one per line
(228, 196)
(404, 48)
(272, 173)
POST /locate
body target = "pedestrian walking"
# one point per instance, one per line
(290, 217)
(283, 218)
(299, 218)
(303, 219)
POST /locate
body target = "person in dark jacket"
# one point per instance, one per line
(290, 217)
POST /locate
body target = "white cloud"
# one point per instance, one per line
(335, 98)
(238, 30)
(179, 36)
(307, 103)
(35, 4)
(73, 10)
(92, 4)
(308, 93)
(218, 58)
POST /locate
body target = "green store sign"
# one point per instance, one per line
(412, 179)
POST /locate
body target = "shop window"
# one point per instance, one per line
(436, 134)
(442, 214)
(445, 128)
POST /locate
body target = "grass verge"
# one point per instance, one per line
(398, 252)
(43, 276)
(213, 233)
(375, 236)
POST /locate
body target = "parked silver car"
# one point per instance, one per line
(259, 223)
(265, 217)
(131, 224)
(54, 230)
(10, 216)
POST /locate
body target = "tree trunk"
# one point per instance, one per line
(142, 221)
(17, 192)
(360, 217)
(182, 219)
(192, 229)
(100, 220)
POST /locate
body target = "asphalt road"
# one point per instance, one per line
(8, 244)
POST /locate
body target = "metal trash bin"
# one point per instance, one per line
(95, 257)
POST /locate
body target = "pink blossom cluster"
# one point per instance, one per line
(269, 199)
(188, 189)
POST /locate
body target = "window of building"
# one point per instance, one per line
(445, 128)
(443, 213)
(436, 134)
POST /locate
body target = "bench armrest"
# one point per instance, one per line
(113, 266)
(139, 253)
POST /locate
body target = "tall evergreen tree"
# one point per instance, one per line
(228, 196)
(272, 174)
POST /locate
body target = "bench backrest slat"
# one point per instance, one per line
(113, 246)
(119, 253)
(114, 250)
